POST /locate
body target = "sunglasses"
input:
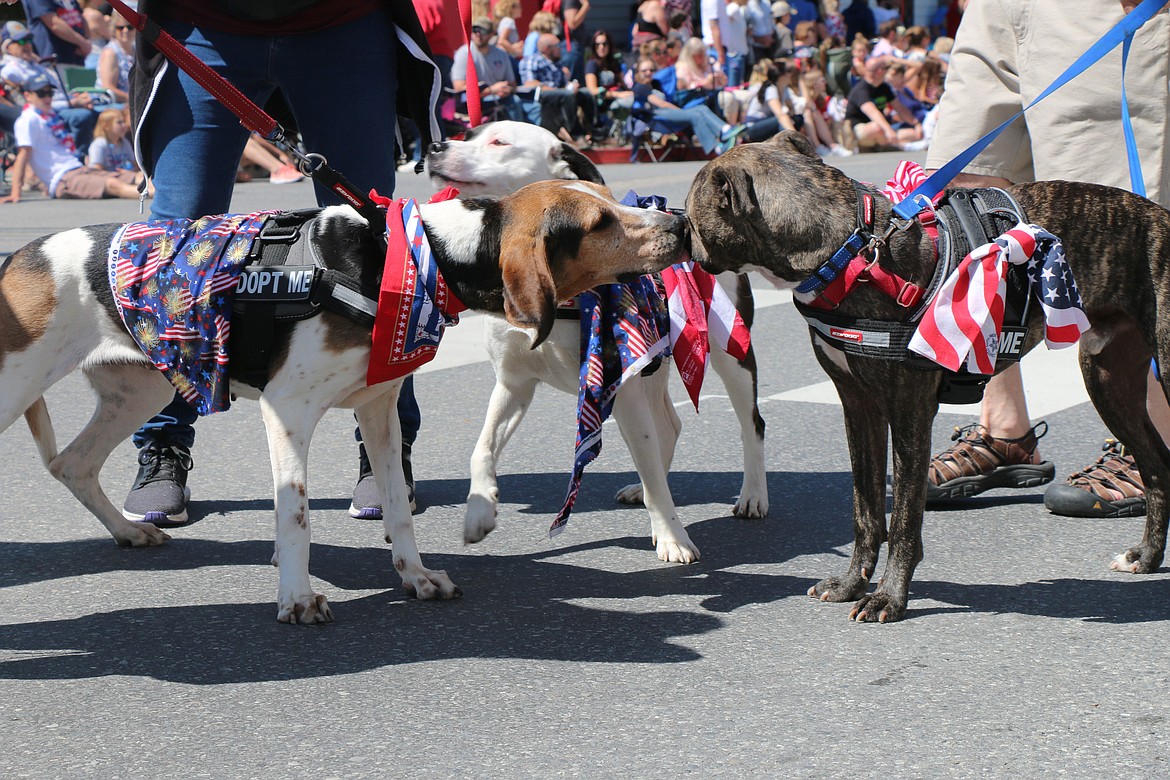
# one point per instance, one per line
(121, 27)
(44, 93)
(481, 31)
(21, 41)
(658, 51)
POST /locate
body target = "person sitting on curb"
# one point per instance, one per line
(45, 144)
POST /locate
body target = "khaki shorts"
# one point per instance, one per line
(90, 183)
(1008, 51)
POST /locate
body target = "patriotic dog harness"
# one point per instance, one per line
(991, 267)
(180, 286)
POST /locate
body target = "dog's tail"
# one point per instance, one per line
(41, 428)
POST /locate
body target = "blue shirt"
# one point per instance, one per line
(542, 69)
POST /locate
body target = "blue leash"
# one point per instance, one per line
(1121, 33)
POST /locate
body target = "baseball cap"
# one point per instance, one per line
(12, 31)
(482, 24)
(781, 8)
(36, 83)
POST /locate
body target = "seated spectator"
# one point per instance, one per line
(926, 80)
(45, 145)
(896, 78)
(59, 30)
(111, 149)
(806, 41)
(556, 100)
(697, 80)
(868, 102)
(859, 52)
(769, 105)
(603, 78)
(674, 44)
(22, 65)
(493, 69)
(821, 114)
(262, 154)
(541, 23)
(508, 37)
(917, 44)
(115, 59)
(886, 41)
(712, 133)
(650, 23)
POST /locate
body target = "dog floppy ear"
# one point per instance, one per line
(737, 192)
(566, 162)
(529, 291)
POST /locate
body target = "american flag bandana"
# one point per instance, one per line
(623, 321)
(173, 283)
(699, 312)
(962, 325)
(57, 127)
(414, 303)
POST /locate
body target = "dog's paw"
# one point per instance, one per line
(426, 584)
(878, 607)
(480, 519)
(677, 550)
(140, 535)
(313, 608)
(751, 507)
(630, 494)
(847, 588)
(1138, 560)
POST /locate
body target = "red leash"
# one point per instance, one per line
(251, 116)
(474, 104)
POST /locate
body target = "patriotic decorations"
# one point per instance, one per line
(414, 303)
(624, 321)
(173, 283)
(699, 311)
(962, 325)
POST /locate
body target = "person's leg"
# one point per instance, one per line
(705, 134)
(81, 122)
(763, 129)
(194, 145)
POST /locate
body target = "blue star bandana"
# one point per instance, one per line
(173, 283)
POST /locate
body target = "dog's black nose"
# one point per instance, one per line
(438, 147)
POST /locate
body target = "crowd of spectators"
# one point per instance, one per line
(852, 80)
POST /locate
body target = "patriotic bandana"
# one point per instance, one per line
(699, 310)
(414, 303)
(622, 321)
(57, 128)
(173, 283)
(963, 322)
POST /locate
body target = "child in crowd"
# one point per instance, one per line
(111, 149)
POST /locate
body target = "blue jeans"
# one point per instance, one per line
(341, 86)
(736, 69)
(704, 122)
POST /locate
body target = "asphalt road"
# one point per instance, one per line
(1022, 655)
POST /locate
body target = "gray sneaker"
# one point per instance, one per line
(367, 504)
(160, 493)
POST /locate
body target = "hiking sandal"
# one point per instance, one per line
(1110, 487)
(979, 461)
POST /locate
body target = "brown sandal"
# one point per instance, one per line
(1111, 487)
(979, 461)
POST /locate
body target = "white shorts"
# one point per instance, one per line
(1008, 51)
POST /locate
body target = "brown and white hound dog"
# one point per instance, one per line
(517, 256)
(497, 158)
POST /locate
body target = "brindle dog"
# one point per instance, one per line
(777, 207)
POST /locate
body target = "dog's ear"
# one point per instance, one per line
(566, 162)
(791, 140)
(529, 291)
(736, 191)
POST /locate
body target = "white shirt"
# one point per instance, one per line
(714, 9)
(50, 159)
(736, 38)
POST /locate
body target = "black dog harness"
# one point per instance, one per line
(966, 219)
(285, 281)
